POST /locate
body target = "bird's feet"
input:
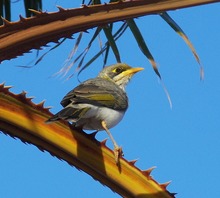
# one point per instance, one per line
(118, 153)
(117, 150)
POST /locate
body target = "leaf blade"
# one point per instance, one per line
(165, 16)
(111, 41)
(142, 44)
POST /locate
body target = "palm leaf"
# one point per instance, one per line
(111, 41)
(5, 10)
(142, 44)
(116, 36)
(32, 4)
(18, 115)
(180, 32)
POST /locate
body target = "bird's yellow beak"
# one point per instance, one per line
(132, 71)
(129, 72)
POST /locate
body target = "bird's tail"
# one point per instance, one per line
(68, 113)
(53, 119)
(61, 115)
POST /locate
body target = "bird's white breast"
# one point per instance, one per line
(93, 117)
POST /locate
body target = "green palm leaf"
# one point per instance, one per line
(180, 32)
(142, 44)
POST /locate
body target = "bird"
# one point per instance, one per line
(99, 103)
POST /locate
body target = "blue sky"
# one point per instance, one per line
(182, 142)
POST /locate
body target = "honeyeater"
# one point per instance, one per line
(99, 103)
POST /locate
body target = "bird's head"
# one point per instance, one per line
(119, 73)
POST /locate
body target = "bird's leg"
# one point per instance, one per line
(117, 149)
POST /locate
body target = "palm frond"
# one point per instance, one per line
(5, 8)
(180, 32)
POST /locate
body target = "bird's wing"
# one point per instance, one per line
(98, 92)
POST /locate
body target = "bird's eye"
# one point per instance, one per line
(118, 70)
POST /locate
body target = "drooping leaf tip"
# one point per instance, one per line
(202, 74)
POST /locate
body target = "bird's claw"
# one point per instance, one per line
(118, 153)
